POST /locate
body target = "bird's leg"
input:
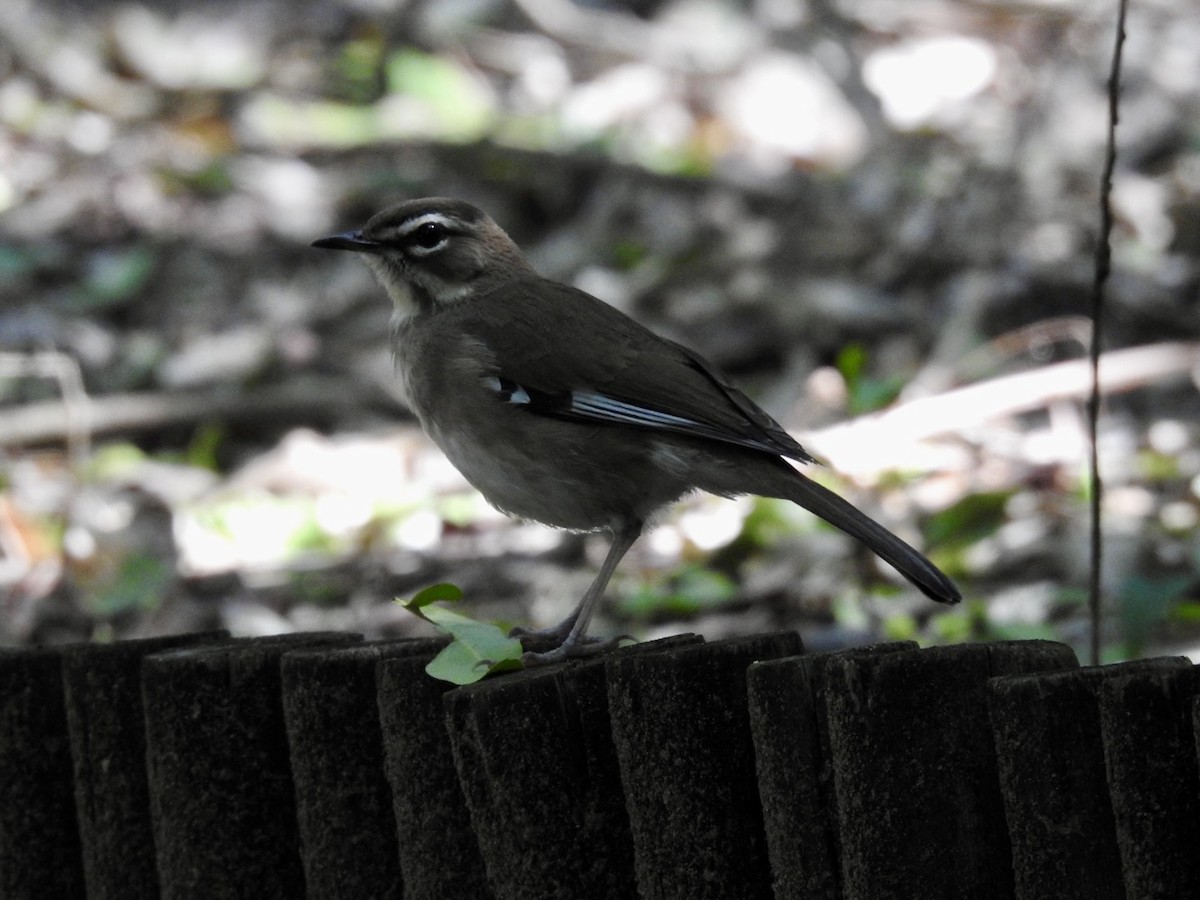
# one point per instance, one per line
(572, 631)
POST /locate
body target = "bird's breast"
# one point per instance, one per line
(565, 473)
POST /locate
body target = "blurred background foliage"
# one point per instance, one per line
(878, 216)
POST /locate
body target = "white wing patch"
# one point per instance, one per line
(509, 391)
(589, 403)
(596, 407)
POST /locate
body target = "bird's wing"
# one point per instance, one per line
(561, 352)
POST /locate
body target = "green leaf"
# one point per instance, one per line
(478, 649)
(435, 593)
(459, 663)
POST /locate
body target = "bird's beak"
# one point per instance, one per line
(349, 240)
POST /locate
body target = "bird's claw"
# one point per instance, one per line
(585, 648)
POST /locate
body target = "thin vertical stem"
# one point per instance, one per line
(1103, 268)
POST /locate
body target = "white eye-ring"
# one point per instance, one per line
(428, 237)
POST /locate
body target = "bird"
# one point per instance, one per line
(562, 409)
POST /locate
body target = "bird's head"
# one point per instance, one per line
(433, 252)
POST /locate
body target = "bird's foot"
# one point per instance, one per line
(583, 648)
(554, 635)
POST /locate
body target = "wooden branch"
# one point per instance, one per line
(47, 422)
(870, 444)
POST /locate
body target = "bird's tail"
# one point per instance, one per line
(778, 479)
(907, 561)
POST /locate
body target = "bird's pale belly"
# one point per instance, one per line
(550, 475)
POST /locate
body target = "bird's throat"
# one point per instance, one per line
(407, 299)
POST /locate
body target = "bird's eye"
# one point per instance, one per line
(429, 235)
